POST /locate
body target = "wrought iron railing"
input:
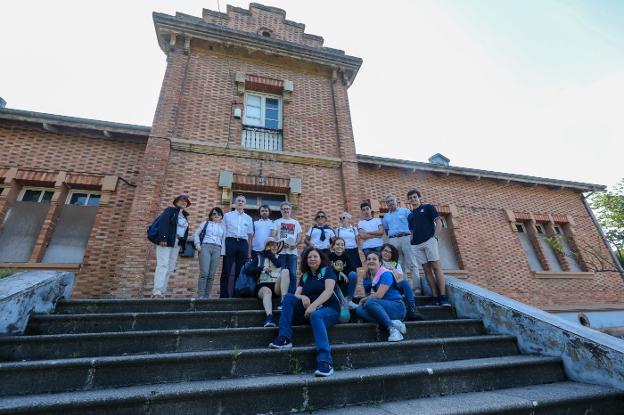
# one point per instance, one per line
(260, 138)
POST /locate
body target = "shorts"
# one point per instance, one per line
(270, 285)
(426, 251)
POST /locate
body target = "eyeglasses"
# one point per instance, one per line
(321, 217)
(215, 214)
(343, 218)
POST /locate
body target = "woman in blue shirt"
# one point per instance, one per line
(384, 304)
(314, 303)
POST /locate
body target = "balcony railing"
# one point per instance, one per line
(259, 138)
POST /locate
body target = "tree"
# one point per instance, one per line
(609, 208)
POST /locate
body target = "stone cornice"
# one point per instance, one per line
(283, 157)
(192, 27)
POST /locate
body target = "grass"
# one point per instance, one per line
(6, 272)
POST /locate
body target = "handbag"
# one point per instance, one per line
(246, 282)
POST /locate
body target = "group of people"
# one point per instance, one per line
(329, 262)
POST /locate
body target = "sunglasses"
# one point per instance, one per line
(343, 217)
(321, 217)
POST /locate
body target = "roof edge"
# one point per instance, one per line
(478, 174)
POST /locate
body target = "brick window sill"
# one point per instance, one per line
(564, 275)
(31, 266)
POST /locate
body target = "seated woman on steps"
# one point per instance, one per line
(390, 256)
(345, 271)
(314, 303)
(272, 278)
(383, 305)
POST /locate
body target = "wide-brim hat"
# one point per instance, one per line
(182, 197)
(271, 240)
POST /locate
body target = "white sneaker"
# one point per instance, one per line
(400, 326)
(394, 336)
(352, 305)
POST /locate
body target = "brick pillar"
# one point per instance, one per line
(346, 145)
(9, 194)
(134, 248)
(49, 223)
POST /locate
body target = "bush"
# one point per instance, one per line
(6, 272)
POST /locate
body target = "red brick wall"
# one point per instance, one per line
(490, 251)
(28, 147)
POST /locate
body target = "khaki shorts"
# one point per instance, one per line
(426, 251)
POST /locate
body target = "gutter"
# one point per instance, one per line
(603, 236)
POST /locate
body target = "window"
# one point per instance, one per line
(255, 200)
(570, 255)
(71, 235)
(528, 248)
(547, 248)
(36, 195)
(263, 111)
(22, 224)
(446, 245)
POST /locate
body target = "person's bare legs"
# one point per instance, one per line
(282, 285)
(265, 295)
(439, 276)
(427, 268)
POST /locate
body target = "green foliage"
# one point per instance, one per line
(6, 272)
(609, 208)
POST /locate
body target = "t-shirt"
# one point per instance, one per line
(388, 279)
(340, 263)
(395, 264)
(315, 237)
(396, 222)
(314, 285)
(262, 229)
(421, 223)
(348, 234)
(370, 225)
(288, 230)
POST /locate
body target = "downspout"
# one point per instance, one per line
(618, 266)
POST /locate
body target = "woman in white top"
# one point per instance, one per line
(349, 234)
(320, 235)
(208, 240)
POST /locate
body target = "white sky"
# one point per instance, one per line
(527, 86)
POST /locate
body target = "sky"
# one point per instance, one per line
(532, 87)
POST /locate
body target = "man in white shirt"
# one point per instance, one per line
(370, 230)
(262, 229)
(288, 230)
(238, 235)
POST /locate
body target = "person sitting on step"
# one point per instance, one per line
(384, 304)
(314, 303)
(273, 280)
(390, 257)
(344, 269)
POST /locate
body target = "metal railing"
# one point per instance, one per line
(259, 138)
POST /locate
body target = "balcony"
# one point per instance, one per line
(259, 138)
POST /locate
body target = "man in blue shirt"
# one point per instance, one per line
(425, 223)
(397, 228)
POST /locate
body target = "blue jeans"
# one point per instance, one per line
(289, 261)
(321, 320)
(348, 289)
(406, 289)
(381, 311)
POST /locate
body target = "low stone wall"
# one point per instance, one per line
(588, 355)
(31, 292)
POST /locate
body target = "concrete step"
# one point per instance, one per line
(101, 306)
(281, 394)
(111, 322)
(61, 346)
(55, 376)
(569, 398)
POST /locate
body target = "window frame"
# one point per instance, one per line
(89, 193)
(273, 208)
(263, 98)
(43, 190)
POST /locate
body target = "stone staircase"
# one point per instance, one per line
(184, 356)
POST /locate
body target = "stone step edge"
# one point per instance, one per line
(149, 393)
(170, 300)
(99, 361)
(500, 401)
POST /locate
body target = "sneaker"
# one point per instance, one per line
(281, 343)
(279, 306)
(395, 335)
(324, 369)
(400, 326)
(413, 315)
(269, 322)
(444, 301)
(352, 305)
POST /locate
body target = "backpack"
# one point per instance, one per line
(345, 314)
(152, 230)
(246, 281)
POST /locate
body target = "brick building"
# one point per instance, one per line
(252, 104)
